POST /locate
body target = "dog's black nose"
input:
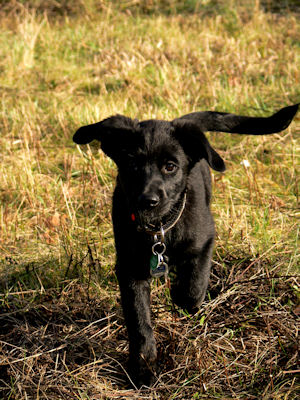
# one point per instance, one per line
(148, 200)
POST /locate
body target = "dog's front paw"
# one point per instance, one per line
(187, 302)
(141, 373)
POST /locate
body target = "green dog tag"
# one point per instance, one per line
(158, 267)
(153, 262)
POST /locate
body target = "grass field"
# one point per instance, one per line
(64, 64)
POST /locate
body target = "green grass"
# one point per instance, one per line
(63, 65)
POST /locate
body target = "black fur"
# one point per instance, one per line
(157, 162)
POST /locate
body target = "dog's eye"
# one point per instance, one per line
(169, 167)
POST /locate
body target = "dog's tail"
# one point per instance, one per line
(225, 122)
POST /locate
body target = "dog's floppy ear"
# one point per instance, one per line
(196, 145)
(112, 132)
(225, 122)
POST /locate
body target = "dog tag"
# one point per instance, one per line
(158, 267)
(161, 270)
(154, 262)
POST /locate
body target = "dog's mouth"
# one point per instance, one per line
(152, 221)
(148, 221)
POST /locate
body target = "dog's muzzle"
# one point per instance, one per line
(165, 223)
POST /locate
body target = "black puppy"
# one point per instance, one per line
(161, 213)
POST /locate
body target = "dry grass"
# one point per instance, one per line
(63, 65)
(241, 344)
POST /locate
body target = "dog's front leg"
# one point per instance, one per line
(192, 277)
(135, 295)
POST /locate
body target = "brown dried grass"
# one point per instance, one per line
(71, 343)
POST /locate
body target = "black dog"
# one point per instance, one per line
(161, 214)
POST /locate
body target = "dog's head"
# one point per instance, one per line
(154, 157)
